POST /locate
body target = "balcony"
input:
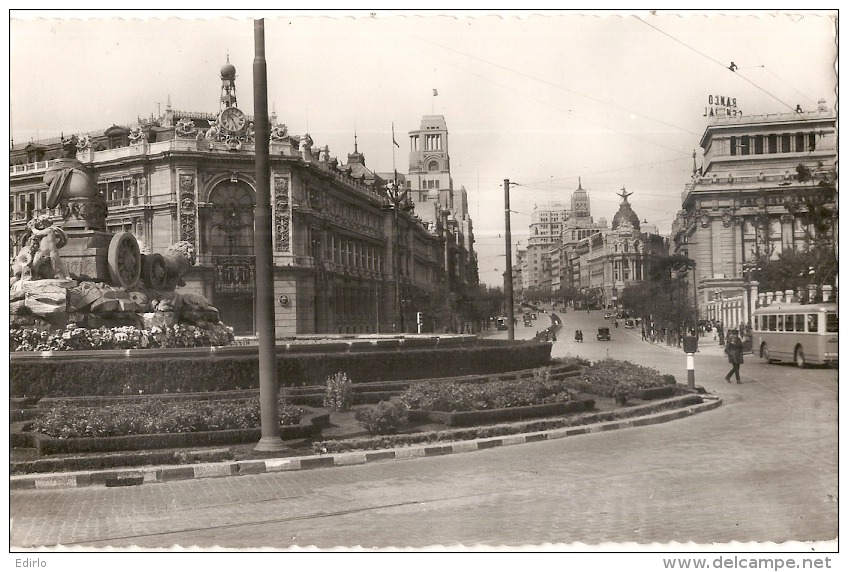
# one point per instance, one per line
(38, 167)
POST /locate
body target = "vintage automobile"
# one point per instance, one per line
(603, 335)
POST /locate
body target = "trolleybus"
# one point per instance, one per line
(803, 333)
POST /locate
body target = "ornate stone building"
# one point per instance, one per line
(190, 176)
(734, 207)
(568, 249)
(607, 261)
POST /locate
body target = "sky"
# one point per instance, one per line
(544, 99)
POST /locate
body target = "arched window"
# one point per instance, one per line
(433, 165)
(229, 224)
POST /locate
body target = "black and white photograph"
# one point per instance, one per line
(561, 282)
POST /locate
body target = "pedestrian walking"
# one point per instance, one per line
(733, 349)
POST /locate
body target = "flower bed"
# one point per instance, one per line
(66, 421)
(620, 379)
(119, 338)
(496, 394)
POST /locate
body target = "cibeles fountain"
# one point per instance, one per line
(76, 272)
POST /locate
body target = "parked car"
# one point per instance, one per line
(603, 335)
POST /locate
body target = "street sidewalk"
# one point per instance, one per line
(706, 344)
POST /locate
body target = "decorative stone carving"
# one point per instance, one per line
(727, 218)
(188, 209)
(705, 219)
(137, 136)
(279, 132)
(282, 215)
(233, 144)
(185, 128)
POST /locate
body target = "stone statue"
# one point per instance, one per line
(306, 146)
(137, 136)
(39, 258)
(212, 134)
(84, 143)
(68, 178)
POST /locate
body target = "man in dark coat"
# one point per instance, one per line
(733, 349)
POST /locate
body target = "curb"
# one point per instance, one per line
(164, 474)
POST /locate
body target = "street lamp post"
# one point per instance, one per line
(269, 416)
(396, 198)
(510, 311)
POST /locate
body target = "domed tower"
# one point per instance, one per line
(228, 85)
(625, 213)
(580, 201)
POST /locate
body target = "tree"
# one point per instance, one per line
(796, 270)
(816, 263)
(815, 205)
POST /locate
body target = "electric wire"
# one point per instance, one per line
(723, 65)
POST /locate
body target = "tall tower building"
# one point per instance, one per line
(429, 180)
(580, 202)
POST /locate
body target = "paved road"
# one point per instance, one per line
(763, 467)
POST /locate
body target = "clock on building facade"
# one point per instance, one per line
(232, 120)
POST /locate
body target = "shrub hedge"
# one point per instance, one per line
(547, 424)
(49, 377)
(46, 445)
(506, 414)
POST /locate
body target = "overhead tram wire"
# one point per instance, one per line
(542, 81)
(723, 65)
(688, 156)
(547, 103)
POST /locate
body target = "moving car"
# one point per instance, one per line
(603, 335)
(629, 323)
(607, 316)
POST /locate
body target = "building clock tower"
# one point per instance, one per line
(429, 180)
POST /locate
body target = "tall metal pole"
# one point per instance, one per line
(398, 311)
(510, 311)
(262, 247)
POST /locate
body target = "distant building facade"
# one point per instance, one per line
(568, 249)
(734, 207)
